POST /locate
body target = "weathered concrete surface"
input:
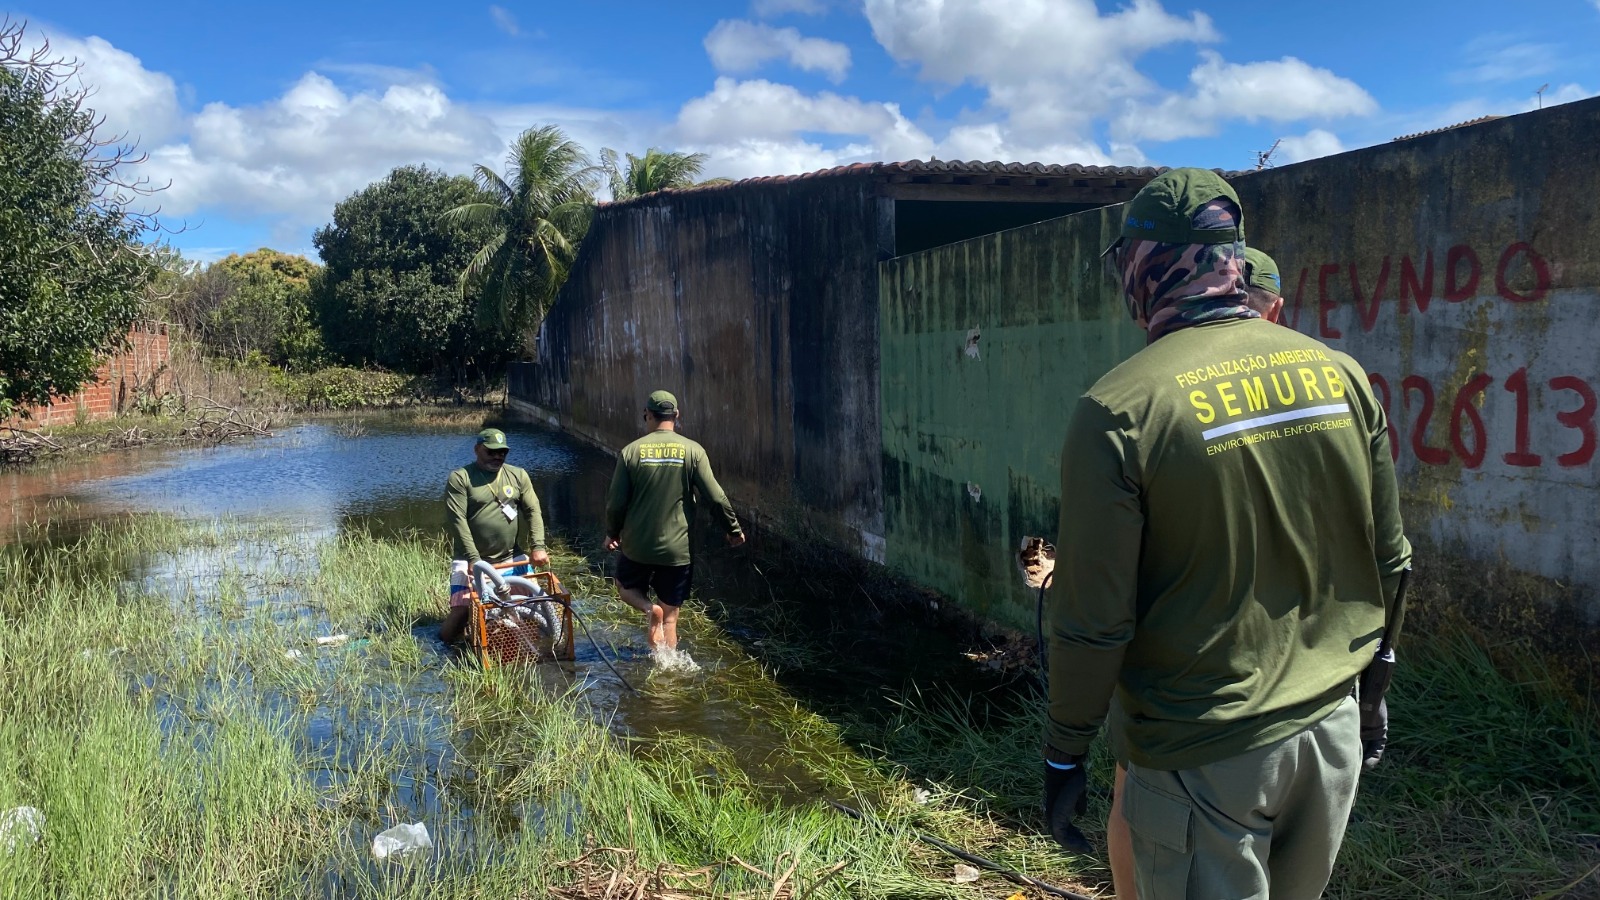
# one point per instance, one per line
(1460, 268)
(985, 345)
(758, 309)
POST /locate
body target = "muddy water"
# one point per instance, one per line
(828, 640)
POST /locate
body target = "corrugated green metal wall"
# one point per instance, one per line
(972, 434)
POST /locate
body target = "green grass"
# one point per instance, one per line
(148, 707)
(1490, 787)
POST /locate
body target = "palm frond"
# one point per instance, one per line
(661, 170)
(542, 207)
(490, 182)
(480, 260)
(474, 214)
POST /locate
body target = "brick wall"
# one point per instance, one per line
(116, 381)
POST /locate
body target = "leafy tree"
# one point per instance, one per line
(73, 264)
(254, 306)
(656, 170)
(268, 310)
(389, 293)
(536, 215)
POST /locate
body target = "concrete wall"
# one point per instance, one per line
(140, 365)
(758, 309)
(1460, 268)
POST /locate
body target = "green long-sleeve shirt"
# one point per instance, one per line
(1230, 539)
(652, 498)
(478, 529)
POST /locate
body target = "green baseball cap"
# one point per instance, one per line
(1261, 272)
(492, 439)
(1164, 210)
(662, 402)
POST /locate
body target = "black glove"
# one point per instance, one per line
(1374, 709)
(1375, 736)
(1066, 796)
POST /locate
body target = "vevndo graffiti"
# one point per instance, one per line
(1487, 393)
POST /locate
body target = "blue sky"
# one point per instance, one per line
(262, 119)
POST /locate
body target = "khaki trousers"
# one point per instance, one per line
(1263, 824)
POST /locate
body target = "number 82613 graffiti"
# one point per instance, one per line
(1469, 434)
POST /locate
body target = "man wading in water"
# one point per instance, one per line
(648, 512)
(492, 513)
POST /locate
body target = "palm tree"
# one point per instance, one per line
(538, 214)
(656, 170)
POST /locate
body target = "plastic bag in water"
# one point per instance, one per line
(401, 840)
(20, 826)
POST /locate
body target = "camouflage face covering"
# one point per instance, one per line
(1173, 286)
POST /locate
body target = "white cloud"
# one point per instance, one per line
(136, 102)
(770, 9)
(1052, 72)
(754, 157)
(1494, 61)
(1049, 67)
(285, 162)
(743, 125)
(992, 142)
(751, 128)
(1287, 90)
(738, 47)
(296, 156)
(1314, 143)
(208, 255)
(377, 76)
(504, 20)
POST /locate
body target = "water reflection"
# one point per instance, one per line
(386, 480)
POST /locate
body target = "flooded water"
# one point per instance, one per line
(826, 641)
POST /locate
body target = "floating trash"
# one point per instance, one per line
(401, 840)
(332, 640)
(292, 654)
(20, 826)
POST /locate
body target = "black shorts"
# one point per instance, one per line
(670, 582)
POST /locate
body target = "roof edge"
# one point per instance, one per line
(917, 167)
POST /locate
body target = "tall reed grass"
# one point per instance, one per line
(165, 704)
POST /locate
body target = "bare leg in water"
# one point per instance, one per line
(653, 618)
(669, 625)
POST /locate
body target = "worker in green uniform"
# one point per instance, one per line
(1263, 288)
(1230, 549)
(492, 513)
(1264, 294)
(648, 511)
